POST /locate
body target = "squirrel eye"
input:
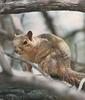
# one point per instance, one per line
(25, 42)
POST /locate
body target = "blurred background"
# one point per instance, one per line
(68, 25)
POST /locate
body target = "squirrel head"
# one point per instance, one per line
(23, 42)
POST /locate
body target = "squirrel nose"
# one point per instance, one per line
(16, 50)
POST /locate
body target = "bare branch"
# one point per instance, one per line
(81, 84)
(4, 63)
(54, 87)
(27, 62)
(37, 5)
(73, 33)
(49, 22)
(17, 23)
(5, 35)
(22, 79)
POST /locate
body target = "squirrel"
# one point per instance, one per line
(51, 53)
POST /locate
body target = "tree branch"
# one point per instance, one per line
(22, 79)
(5, 35)
(4, 63)
(73, 33)
(27, 62)
(37, 5)
(49, 22)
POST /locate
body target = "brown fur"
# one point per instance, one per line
(50, 52)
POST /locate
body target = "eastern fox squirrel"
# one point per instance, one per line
(50, 52)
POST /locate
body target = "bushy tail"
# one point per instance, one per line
(72, 77)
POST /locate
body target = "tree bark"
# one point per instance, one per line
(11, 77)
(38, 5)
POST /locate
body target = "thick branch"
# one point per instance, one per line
(37, 5)
(23, 79)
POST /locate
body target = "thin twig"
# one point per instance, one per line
(27, 62)
(81, 84)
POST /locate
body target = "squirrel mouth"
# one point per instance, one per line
(19, 51)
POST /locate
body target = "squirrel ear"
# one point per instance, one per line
(29, 35)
